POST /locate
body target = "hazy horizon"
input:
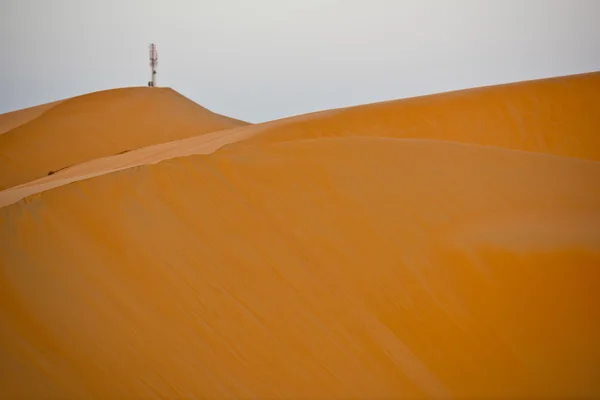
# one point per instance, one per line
(269, 59)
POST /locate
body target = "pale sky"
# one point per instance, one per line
(259, 60)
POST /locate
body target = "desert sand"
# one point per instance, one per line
(445, 246)
(43, 140)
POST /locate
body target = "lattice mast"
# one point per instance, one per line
(153, 64)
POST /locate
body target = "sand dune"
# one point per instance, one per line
(97, 125)
(203, 144)
(321, 256)
(558, 116)
(531, 116)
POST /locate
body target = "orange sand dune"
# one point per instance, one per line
(331, 268)
(529, 116)
(97, 125)
(333, 255)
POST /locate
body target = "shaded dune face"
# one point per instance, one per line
(98, 125)
(345, 262)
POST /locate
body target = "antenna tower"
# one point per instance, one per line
(153, 64)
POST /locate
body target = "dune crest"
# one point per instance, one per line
(559, 116)
(98, 125)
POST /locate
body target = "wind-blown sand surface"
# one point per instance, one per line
(335, 255)
(51, 137)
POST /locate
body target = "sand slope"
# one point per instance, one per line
(14, 119)
(97, 125)
(329, 264)
(316, 269)
(202, 144)
(558, 116)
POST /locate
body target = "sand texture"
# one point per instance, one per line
(43, 140)
(446, 246)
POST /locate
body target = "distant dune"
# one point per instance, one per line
(45, 139)
(445, 246)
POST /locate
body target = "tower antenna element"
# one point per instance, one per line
(153, 64)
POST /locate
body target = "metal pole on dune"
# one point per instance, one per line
(153, 64)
